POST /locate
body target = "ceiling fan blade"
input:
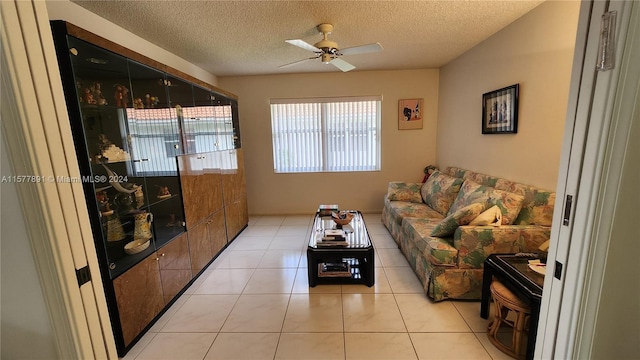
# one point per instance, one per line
(362, 49)
(303, 44)
(342, 65)
(297, 62)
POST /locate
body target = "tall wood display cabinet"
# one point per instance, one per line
(162, 170)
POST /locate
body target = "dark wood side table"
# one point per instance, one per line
(514, 272)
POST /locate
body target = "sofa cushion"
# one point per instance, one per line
(401, 191)
(509, 204)
(439, 191)
(455, 172)
(438, 251)
(470, 193)
(476, 243)
(403, 209)
(448, 225)
(537, 207)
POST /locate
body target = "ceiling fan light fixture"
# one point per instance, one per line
(326, 58)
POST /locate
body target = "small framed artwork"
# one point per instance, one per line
(500, 111)
(410, 114)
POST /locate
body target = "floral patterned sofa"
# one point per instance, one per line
(430, 224)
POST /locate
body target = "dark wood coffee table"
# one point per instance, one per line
(357, 254)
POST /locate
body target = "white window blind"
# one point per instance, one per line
(326, 134)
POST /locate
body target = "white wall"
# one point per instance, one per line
(535, 51)
(79, 16)
(618, 317)
(26, 329)
(405, 153)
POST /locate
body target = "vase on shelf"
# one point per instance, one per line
(143, 226)
(115, 232)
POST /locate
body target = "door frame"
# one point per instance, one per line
(39, 143)
(567, 316)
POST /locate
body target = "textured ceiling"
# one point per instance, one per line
(247, 37)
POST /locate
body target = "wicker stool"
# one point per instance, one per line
(505, 302)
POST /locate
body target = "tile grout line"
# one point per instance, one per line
(395, 299)
(211, 346)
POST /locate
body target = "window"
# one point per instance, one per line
(326, 134)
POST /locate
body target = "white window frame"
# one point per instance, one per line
(309, 136)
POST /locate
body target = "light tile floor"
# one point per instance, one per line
(254, 302)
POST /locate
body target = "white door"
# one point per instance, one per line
(38, 139)
(595, 141)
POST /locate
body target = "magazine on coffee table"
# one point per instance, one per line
(334, 269)
(332, 242)
(331, 237)
(334, 233)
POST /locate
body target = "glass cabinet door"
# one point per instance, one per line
(200, 127)
(101, 79)
(152, 125)
(103, 89)
(154, 136)
(131, 136)
(180, 99)
(224, 115)
(208, 126)
(237, 142)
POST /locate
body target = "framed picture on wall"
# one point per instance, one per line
(500, 111)
(410, 114)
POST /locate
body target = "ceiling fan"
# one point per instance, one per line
(329, 52)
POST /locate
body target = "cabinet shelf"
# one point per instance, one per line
(89, 107)
(160, 200)
(125, 261)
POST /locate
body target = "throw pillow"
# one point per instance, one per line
(470, 193)
(509, 204)
(439, 191)
(463, 216)
(401, 191)
(491, 216)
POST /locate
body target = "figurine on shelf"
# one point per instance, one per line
(97, 94)
(88, 98)
(164, 192)
(125, 202)
(121, 95)
(119, 183)
(138, 104)
(152, 101)
(103, 202)
(139, 197)
(103, 142)
(109, 152)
